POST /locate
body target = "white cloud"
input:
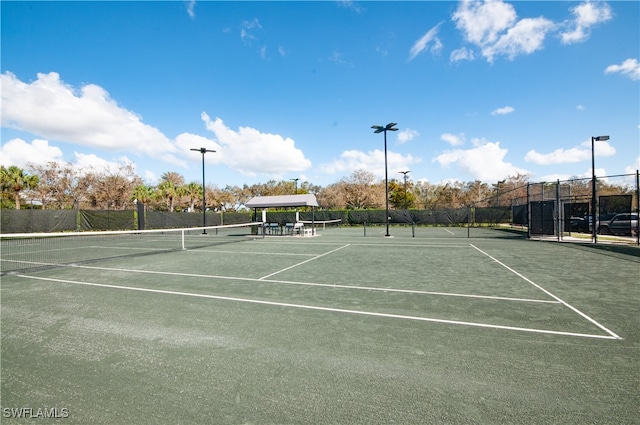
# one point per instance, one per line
(630, 68)
(87, 117)
(407, 135)
(525, 37)
(503, 111)
(453, 139)
(555, 177)
(99, 165)
(20, 153)
(187, 141)
(245, 31)
(251, 152)
(39, 152)
(349, 4)
(493, 26)
(600, 172)
(462, 54)
(191, 5)
(585, 15)
(339, 58)
(422, 43)
(372, 161)
(151, 178)
(580, 107)
(566, 156)
(90, 118)
(631, 169)
(484, 162)
(482, 22)
(559, 156)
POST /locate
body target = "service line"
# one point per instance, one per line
(318, 308)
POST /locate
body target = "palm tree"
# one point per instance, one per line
(169, 187)
(142, 194)
(15, 180)
(193, 191)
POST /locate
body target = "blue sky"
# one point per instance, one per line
(283, 90)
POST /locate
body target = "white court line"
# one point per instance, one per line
(287, 254)
(317, 308)
(550, 294)
(304, 262)
(410, 244)
(449, 231)
(322, 285)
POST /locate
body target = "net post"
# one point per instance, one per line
(413, 229)
(365, 229)
(182, 239)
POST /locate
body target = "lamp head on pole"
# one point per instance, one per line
(388, 127)
(201, 150)
(601, 138)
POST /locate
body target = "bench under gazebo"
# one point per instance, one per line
(285, 201)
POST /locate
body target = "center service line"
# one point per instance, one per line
(549, 293)
(305, 261)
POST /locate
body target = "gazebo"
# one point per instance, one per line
(280, 201)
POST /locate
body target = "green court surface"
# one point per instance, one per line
(338, 328)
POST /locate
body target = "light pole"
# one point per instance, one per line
(405, 186)
(381, 129)
(204, 202)
(593, 186)
(296, 182)
(498, 191)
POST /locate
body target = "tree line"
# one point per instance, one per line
(65, 186)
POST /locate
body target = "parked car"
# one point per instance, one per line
(620, 224)
(580, 224)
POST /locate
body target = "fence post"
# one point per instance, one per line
(558, 229)
(528, 210)
(638, 206)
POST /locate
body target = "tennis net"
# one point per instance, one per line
(21, 252)
(322, 224)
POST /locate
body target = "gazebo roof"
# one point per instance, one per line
(305, 200)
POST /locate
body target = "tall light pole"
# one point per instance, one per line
(204, 202)
(498, 191)
(405, 186)
(296, 182)
(381, 129)
(593, 186)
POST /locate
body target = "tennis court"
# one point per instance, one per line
(426, 326)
